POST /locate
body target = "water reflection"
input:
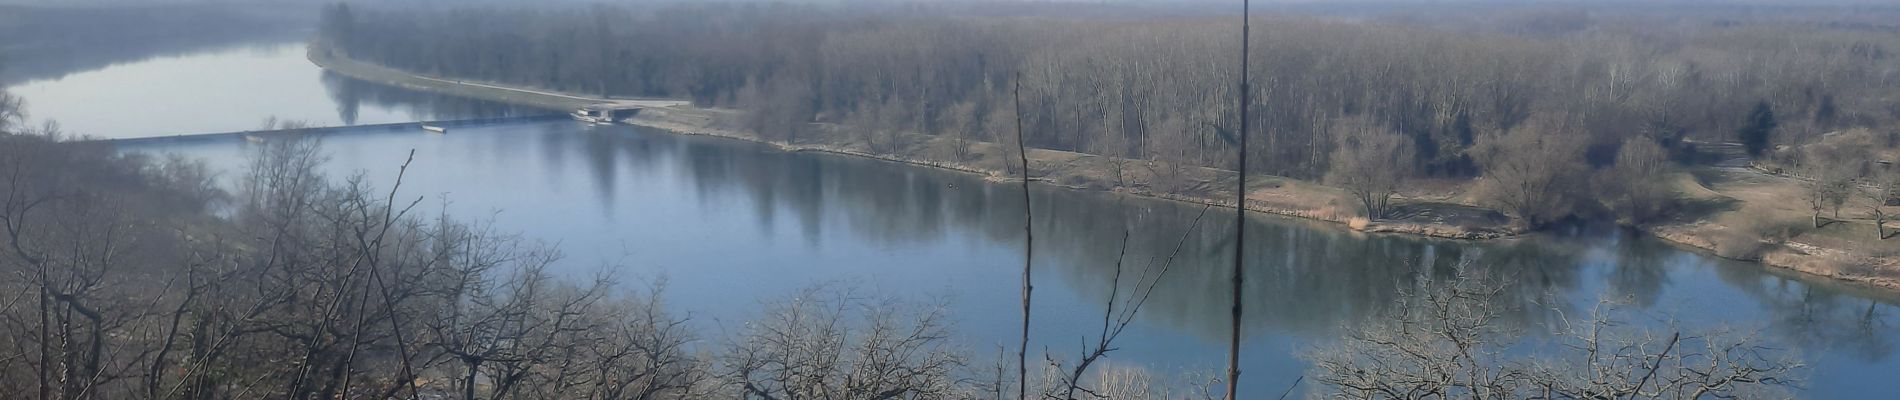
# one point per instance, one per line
(1307, 277)
(226, 88)
(350, 95)
(731, 222)
(1305, 281)
(42, 62)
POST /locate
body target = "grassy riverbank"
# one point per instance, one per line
(1729, 216)
(1745, 214)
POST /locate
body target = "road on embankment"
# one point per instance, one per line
(512, 95)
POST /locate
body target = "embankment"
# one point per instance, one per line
(1754, 216)
(1150, 178)
(475, 90)
(1193, 184)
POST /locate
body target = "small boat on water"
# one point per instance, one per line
(435, 129)
(253, 139)
(583, 116)
(597, 114)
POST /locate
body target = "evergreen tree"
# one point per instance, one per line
(1755, 131)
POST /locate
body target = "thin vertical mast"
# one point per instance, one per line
(1240, 216)
(1029, 245)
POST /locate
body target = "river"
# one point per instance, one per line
(225, 88)
(728, 224)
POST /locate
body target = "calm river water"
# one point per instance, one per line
(729, 224)
(229, 88)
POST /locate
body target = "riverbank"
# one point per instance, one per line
(1728, 225)
(1192, 184)
(1744, 214)
(1082, 171)
(548, 99)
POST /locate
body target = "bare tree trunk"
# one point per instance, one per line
(468, 384)
(1880, 224)
(1029, 245)
(1240, 217)
(45, 359)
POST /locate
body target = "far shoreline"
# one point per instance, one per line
(1079, 171)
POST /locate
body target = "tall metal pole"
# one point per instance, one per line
(1240, 216)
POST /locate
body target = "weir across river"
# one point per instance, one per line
(267, 135)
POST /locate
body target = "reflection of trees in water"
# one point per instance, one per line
(1813, 315)
(1638, 273)
(1311, 278)
(53, 42)
(351, 93)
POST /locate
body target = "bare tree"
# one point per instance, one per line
(1445, 339)
(814, 345)
(12, 111)
(1532, 171)
(961, 125)
(1635, 185)
(1884, 183)
(1370, 162)
(1831, 171)
(1029, 244)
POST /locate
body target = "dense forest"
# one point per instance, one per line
(1428, 90)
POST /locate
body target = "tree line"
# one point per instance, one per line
(1153, 88)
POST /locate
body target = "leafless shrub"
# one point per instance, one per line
(1447, 341)
(830, 343)
(1605, 362)
(1636, 186)
(1370, 161)
(130, 284)
(1830, 173)
(1532, 170)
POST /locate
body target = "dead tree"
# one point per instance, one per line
(1029, 245)
(1240, 215)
